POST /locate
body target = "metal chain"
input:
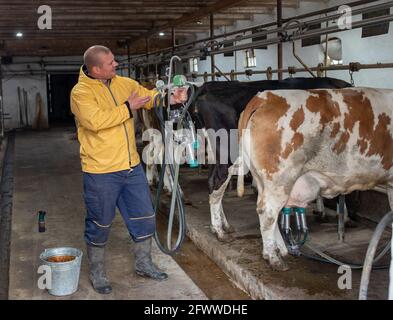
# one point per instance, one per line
(352, 81)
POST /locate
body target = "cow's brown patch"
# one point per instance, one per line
(382, 142)
(296, 142)
(363, 144)
(378, 141)
(361, 111)
(341, 143)
(335, 130)
(265, 132)
(297, 139)
(321, 102)
(297, 119)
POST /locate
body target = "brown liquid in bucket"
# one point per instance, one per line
(60, 258)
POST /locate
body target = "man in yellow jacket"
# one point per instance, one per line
(102, 103)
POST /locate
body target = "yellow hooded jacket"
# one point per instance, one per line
(105, 128)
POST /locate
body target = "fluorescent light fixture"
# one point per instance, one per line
(161, 34)
(19, 34)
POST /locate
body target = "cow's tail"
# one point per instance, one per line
(240, 185)
(240, 160)
(243, 162)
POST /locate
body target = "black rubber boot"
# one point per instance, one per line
(97, 274)
(143, 263)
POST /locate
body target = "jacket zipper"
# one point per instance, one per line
(124, 126)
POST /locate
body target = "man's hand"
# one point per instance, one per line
(137, 102)
(179, 95)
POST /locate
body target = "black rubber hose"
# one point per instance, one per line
(179, 198)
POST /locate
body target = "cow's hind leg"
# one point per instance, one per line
(282, 247)
(273, 195)
(219, 223)
(151, 173)
(274, 247)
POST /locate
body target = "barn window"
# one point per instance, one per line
(261, 38)
(194, 64)
(251, 60)
(228, 45)
(376, 30)
(313, 40)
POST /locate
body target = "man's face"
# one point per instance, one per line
(107, 70)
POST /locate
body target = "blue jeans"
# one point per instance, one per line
(129, 191)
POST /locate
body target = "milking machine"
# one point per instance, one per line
(180, 118)
(295, 243)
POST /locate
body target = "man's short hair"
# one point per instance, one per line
(91, 57)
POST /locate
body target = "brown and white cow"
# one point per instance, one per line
(304, 143)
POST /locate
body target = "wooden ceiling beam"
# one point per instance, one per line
(80, 23)
(187, 18)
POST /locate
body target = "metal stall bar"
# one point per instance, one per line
(307, 23)
(212, 60)
(271, 24)
(309, 33)
(279, 45)
(306, 34)
(296, 36)
(359, 66)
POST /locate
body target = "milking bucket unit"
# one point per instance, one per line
(182, 119)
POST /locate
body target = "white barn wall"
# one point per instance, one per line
(15, 75)
(33, 82)
(354, 48)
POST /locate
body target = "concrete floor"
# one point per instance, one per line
(47, 177)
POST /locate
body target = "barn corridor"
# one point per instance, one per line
(47, 177)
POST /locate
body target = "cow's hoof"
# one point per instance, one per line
(229, 229)
(225, 238)
(222, 236)
(278, 264)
